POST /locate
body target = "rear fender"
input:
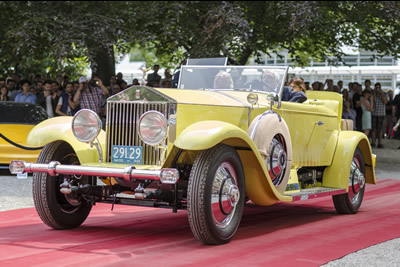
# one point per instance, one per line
(59, 128)
(337, 175)
(206, 134)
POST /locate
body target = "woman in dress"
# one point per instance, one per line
(367, 103)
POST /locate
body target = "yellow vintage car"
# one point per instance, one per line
(222, 138)
(16, 121)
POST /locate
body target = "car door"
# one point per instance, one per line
(313, 130)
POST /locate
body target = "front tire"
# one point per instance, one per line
(216, 195)
(350, 202)
(57, 210)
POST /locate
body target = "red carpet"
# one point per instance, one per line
(305, 233)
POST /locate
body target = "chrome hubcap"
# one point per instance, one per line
(356, 181)
(276, 163)
(234, 195)
(225, 195)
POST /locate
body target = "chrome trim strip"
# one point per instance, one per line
(249, 119)
(253, 132)
(315, 194)
(225, 106)
(107, 126)
(124, 126)
(136, 102)
(119, 132)
(281, 89)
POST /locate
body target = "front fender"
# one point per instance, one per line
(337, 175)
(206, 134)
(59, 128)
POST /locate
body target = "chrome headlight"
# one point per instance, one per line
(86, 125)
(153, 127)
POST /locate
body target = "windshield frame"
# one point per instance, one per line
(284, 70)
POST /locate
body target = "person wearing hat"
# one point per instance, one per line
(89, 96)
(26, 96)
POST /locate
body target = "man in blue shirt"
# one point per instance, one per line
(26, 96)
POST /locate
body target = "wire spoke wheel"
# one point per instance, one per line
(277, 158)
(216, 195)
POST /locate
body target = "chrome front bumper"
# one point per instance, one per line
(129, 173)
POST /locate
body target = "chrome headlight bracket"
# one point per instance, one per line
(98, 147)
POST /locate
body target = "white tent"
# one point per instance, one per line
(130, 70)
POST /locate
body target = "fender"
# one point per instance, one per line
(206, 134)
(59, 128)
(337, 175)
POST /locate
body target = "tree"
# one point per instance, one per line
(52, 35)
(307, 29)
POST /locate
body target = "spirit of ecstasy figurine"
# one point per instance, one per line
(143, 81)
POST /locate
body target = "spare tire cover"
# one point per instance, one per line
(272, 138)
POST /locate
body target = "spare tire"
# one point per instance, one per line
(270, 133)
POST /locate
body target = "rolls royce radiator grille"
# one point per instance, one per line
(122, 118)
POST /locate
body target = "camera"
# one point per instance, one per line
(94, 82)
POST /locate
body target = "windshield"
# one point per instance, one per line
(250, 78)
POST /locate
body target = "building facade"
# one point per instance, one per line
(357, 67)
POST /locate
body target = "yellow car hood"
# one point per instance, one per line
(183, 96)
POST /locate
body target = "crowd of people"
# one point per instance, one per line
(372, 110)
(62, 97)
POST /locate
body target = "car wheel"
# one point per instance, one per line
(216, 195)
(350, 202)
(277, 162)
(57, 210)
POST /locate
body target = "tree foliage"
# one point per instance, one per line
(306, 29)
(66, 36)
(54, 33)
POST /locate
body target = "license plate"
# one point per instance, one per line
(127, 154)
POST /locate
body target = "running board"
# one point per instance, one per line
(315, 192)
